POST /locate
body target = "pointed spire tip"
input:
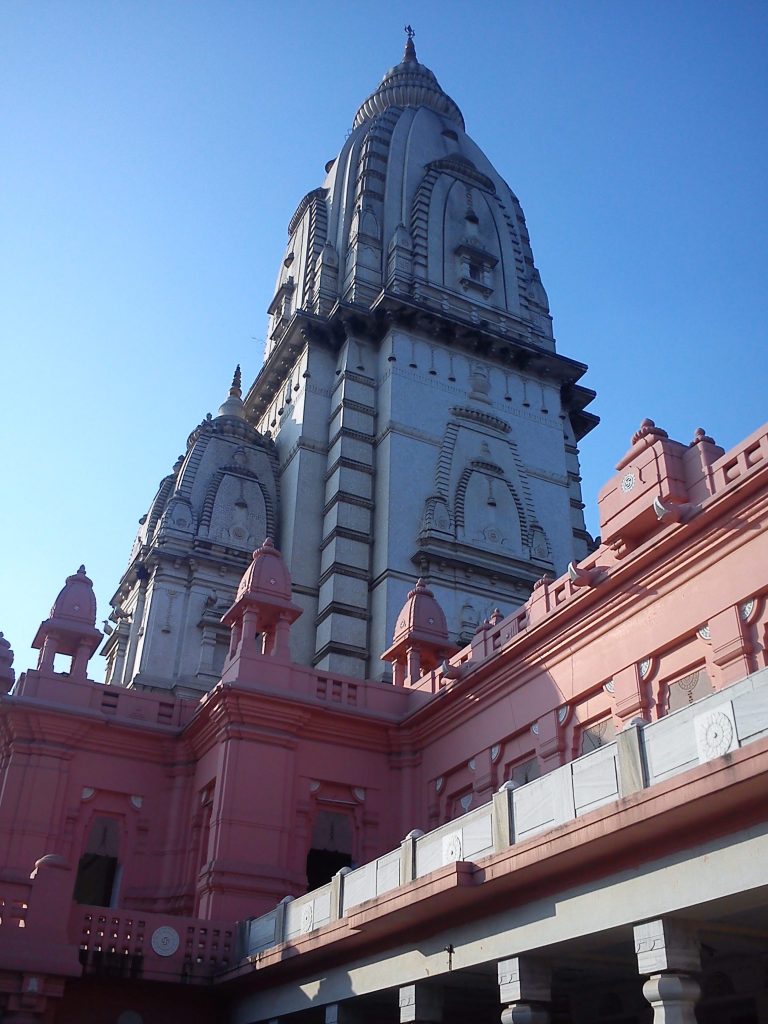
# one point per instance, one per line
(410, 50)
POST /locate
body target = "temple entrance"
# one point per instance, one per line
(331, 848)
(97, 870)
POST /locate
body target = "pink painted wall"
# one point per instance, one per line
(216, 803)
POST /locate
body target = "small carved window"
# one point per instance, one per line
(597, 735)
(689, 688)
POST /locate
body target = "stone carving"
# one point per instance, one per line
(165, 940)
(307, 917)
(452, 847)
(715, 732)
(705, 633)
(665, 945)
(239, 513)
(627, 482)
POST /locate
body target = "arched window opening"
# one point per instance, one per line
(98, 874)
(331, 848)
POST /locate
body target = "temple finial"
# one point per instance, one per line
(410, 49)
(235, 388)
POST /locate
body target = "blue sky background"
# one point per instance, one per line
(154, 152)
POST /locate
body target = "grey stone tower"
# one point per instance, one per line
(219, 502)
(424, 423)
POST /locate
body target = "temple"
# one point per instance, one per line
(382, 735)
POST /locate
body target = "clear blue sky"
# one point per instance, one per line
(154, 152)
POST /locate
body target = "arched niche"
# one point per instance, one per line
(489, 513)
(239, 515)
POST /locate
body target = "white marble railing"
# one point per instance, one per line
(641, 756)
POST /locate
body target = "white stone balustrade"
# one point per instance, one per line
(641, 756)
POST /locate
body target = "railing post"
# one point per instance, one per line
(337, 893)
(280, 919)
(630, 755)
(503, 817)
(408, 856)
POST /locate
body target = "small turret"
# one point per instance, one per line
(7, 675)
(261, 617)
(71, 627)
(420, 642)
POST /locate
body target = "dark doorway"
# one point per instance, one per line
(322, 865)
(97, 870)
(330, 849)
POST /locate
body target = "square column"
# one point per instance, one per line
(525, 985)
(349, 1012)
(421, 1004)
(669, 952)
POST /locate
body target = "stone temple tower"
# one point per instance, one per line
(411, 419)
(425, 424)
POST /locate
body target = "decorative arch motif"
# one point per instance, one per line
(215, 499)
(482, 498)
(516, 533)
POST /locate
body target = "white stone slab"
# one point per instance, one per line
(388, 872)
(360, 885)
(261, 933)
(595, 779)
(478, 833)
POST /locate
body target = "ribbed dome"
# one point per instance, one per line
(421, 618)
(266, 578)
(76, 603)
(408, 84)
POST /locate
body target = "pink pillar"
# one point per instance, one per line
(79, 669)
(45, 661)
(730, 648)
(399, 673)
(413, 660)
(248, 643)
(629, 694)
(282, 644)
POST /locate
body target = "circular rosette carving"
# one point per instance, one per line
(165, 940)
(307, 917)
(715, 733)
(452, 848)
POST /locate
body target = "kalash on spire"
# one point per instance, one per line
(412, 416)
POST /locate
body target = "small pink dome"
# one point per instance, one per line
(267, 577)
(421, 618)
(76, 603)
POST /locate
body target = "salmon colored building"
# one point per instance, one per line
(588, 770)
(553, 811)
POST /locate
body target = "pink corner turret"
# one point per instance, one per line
(71, 627)
(7, 675)
(420, 642)
(261, 617)
(652, 471)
